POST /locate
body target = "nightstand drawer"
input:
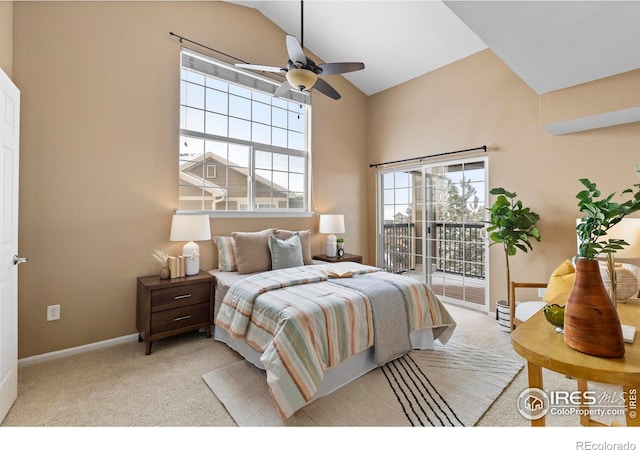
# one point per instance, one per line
(179, 318)
(180, 296)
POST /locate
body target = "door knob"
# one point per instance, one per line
(18, 260)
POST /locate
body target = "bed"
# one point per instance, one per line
(313, 331)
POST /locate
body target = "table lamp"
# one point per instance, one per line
(628, 229)
(189, 227)
(330, 224)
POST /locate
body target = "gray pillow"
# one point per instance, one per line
(305, 241)
(285, 253)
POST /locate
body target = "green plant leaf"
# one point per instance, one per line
(600, 216)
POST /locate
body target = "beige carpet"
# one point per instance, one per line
(452, 385)
(120, 386)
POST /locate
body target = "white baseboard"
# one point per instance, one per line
(24, 362)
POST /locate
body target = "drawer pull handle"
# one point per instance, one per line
(181, 318)
(180, 297)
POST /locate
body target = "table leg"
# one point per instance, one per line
(585, 417)
(534, 373)
(631, 406)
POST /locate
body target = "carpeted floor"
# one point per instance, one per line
(452, 385)
(120, 386)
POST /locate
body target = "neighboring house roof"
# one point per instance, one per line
(211, 186)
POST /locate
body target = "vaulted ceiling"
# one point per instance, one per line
(551, 45)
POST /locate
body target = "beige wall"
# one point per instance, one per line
(479, 101)
(100, 94)
(6, 37)
(614, 93)
(98, 167)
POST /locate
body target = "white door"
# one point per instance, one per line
(9, 157)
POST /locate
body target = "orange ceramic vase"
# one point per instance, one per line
(591, 322)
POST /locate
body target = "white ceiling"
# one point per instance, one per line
(549, 44)
(552, 45)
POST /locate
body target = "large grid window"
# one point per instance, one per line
(241, 149)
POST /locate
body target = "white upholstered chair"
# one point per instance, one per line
(520, 309)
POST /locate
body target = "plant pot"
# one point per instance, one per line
(503, 315)
(164, 273)
(591, 322)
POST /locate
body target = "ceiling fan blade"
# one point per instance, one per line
(341, 67)
(261, 68)
(296, 54)
(283, 89)
(326, 89)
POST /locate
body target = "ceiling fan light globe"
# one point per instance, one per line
(301, 78)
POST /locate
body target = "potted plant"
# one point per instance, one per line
(514, 227)
(592, 325)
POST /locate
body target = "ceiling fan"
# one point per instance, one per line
(302, 72)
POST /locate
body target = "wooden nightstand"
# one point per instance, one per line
(347, 257)
(173, 306)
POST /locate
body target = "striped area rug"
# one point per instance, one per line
(452, 385)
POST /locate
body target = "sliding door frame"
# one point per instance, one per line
(428, 234)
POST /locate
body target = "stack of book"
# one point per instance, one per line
(176, 266)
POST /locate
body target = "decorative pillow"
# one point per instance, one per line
(305, 241)
(252, 251)
(560, 283)
(285, 253)
(226, 253)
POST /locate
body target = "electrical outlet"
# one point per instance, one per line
(53, 312)
(541, 292)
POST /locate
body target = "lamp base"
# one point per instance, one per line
(191, 252)
(331, 245)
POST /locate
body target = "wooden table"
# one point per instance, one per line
(537, 342)
(344, 258)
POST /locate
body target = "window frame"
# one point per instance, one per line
(255, 83)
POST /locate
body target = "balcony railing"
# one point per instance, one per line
(457, 248)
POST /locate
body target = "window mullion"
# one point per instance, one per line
(250, 180)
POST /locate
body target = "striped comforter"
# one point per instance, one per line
(304, 325)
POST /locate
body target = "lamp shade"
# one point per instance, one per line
(628, 229)
(301, 78)
(331, 223)
(189, 227)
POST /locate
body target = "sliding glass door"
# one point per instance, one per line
(430, 226)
